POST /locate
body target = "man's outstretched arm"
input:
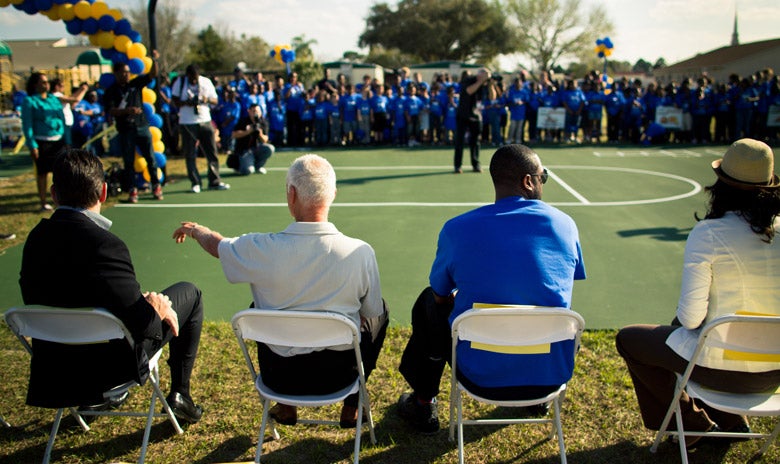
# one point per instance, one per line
(206, 238)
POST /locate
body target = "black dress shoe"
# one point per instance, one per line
(110, 404)
(184, 408)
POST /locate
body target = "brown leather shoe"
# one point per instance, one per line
(284, 414)
(349, 416)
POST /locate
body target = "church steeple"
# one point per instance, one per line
(735, 34)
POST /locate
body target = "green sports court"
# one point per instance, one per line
(634, 207)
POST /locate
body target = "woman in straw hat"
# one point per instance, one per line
(732, 263)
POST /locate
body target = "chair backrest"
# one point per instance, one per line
(311, 329)
(744, 337)
(518, 325)
(74, 326)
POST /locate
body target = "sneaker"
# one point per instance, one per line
(157, 192)
(133, 198)
(195, 189)
(7, 236)
(262, 171)
(46, 207)
(423, 417)
(220, 186)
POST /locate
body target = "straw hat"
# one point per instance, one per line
(747, 164)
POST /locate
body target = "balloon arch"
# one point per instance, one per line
(118, 41)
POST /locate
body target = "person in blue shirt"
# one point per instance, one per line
(532, 113)
(228, 115)
(517, 99)
(614, 103)
(744, 105)
(412, 106)
(595, 110)
(450, 115)
(307, 116)
(398, 111)
(438, 100)
(364, 115)
(334, 120)
(277, 111)
(549, 98)
(518, 250)
(574, 102)
(321, 129)
(494, 107)
(348, 109)
(89, 118)
(632, 115)
(295, 96)
(701, 112)
(379, 121)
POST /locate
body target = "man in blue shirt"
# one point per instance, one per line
(518, 250)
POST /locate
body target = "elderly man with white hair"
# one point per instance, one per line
(308, 266)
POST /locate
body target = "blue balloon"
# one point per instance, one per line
(156, 121)
(89, 26)
(148, 111)
(123, 27)
(28, 6)
(108, 53)
(73, 26)
(272, 54)
(140, 182)
(599, 41)
(43, 5)
(106, 23)
(135, 36)
(160, 160)
(136, 65)
(288, 56)
(601, 54)
(106, 80)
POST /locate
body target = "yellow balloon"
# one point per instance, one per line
(93, 39)
(156, 134)
(106, 39)
(121, 42)
(83, 9)
(98, 10)
(147, 64)
(4, 3)
(116, 14)
(139, 164)
(158, 146)
(53, 13)
(136, 50)
(66, 11)
(148, 96)
(17, 2)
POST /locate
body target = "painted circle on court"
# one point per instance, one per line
(695, 187)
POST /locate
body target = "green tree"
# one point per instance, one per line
(174, 31)
(548, 31)
(642, 66)
(433, 30)
(209, 51)
(660, 63)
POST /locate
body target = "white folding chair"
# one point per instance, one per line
(512, 326)
(86, 326)
(3, 422)
(313, 329)
(746, 337)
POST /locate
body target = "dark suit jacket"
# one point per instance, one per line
(69, 261)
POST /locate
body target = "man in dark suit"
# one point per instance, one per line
(71, 260)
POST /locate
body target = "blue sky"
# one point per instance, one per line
(649, 29)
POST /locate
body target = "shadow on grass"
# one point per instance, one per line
(231, 450)
(105, 450)
(664, 234)
(366, 180)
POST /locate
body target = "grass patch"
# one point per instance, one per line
(600, 419)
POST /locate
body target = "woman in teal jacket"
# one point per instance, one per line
(43, 124)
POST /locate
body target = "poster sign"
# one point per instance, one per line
(669, 117)
(551, 118)
(773, 116)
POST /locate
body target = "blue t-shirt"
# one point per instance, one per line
(348, 105)
(515, 251)
(517, 99)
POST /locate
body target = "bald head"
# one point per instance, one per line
(514, 170)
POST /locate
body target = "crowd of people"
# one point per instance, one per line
(408, 111)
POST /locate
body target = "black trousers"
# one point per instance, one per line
(323, 371)
(430, 348)
(473, 126)
(188, 305)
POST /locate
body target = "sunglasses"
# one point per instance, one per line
(544, 175)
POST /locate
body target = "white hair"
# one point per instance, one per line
(313, 178)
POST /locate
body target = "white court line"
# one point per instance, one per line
(695, 188)
(568, 188)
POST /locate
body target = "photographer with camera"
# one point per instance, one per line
(469, 117)
(252, 149)
(192, 94)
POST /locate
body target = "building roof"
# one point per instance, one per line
(45, 54)
(444, 64)
(726, 54)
